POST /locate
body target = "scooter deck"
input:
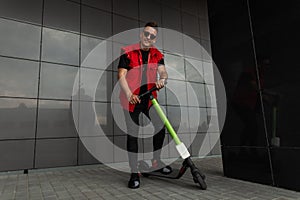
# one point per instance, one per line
(173, 175)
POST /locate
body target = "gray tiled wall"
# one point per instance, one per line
(42, 45)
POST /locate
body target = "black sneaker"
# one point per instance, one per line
(159, 166)
(134, 181)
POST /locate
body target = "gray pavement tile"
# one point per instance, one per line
(65, 198)
(50, 198)
(90, 194)
(21, 195)
(21, 198)
(35, 198)
(49, 193)
(101, 182)
(79, 197)
(7, 195)
(63, 194)
(59, 189)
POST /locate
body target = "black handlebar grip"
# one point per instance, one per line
(148, 92)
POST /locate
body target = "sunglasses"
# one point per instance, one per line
(152, 36)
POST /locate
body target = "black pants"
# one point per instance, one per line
(133, 123)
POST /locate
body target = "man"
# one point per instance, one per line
(137, 73)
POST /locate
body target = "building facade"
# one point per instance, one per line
(255, 46)
(42, 46)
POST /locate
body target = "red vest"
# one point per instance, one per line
(134, 74)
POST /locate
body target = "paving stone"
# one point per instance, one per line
(101, 182)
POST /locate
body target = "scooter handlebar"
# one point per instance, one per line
(148, 92)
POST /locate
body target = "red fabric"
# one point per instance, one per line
(134, 74)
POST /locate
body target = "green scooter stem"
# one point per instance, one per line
(165, 120)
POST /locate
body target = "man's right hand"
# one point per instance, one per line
(134, 99)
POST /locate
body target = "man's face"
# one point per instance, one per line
(148, 37)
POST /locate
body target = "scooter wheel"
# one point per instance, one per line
(202, 176)
(198, 179)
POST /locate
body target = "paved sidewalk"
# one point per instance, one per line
(101, 182)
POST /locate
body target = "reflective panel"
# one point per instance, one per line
(121, 24)
(95, 122)
(243, 127)
(185, 139)
(104, 88)
(214, 138)
(208, 73)
(244, 124)
(203, 12)
(91, 89)
(279, 85)
(178, 117)
(192, 47)
(176, 93)
(17, 118)
(84, 156)
(125, 8)
(204, 29)
(172, 3)
(16, 155)
(206, 50)
(190, 25)
(87, 45)
(198, 120)
(212, 120)
(150, 11)
(55, 119)
(250, 164)
(96, 22)
(194, 70)
(199, 143)
(60, 47)
(56, 152)
(210, 96)
(104, 117)
(169, 36)
(175, 66)
(90, 50)
(190, 6)
(100, 144)
(18, 78)
(234, 24)
(20, 40)
(171, 18)
(161, 96)
(101, 4)
(29, 10)
(62, 14)
(196, 96)
(57, 81)
(286, 164)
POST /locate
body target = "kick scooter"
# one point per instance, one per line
(144, 168)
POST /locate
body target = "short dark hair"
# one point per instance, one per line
(153, 25)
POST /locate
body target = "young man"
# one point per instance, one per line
(137, 73)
